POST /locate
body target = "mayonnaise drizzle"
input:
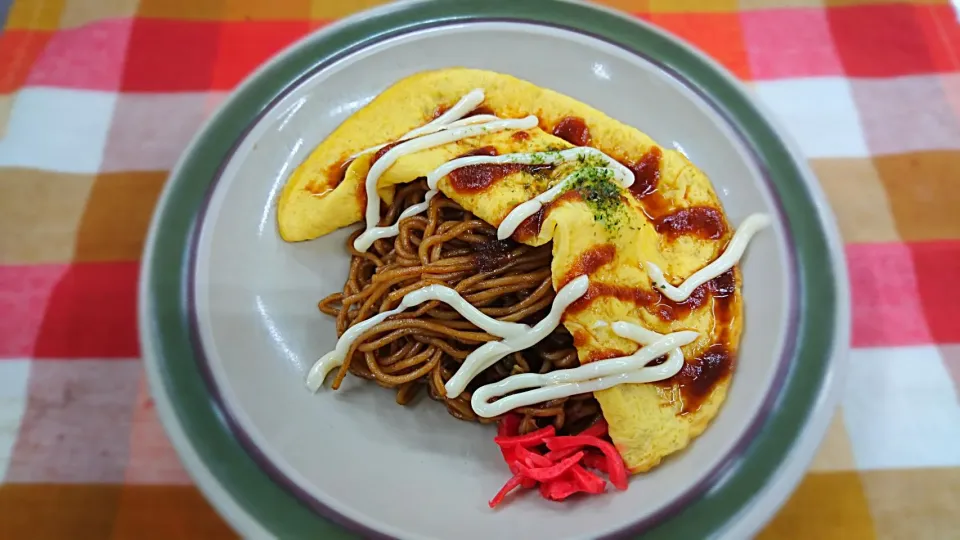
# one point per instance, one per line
(451, 118)
(335, 358)
(489, 353)
(365, 240)
(463, 107)
(372, 235)
(470, 121)
(731, 255)
(591, 377)
(516, 336)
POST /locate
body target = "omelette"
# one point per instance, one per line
(670, 216)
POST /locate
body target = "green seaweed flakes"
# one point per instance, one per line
(602, 195)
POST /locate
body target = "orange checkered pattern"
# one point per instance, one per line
(99, 97)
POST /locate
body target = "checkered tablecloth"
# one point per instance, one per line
(99, 97)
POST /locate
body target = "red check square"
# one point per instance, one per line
(89, 57)
(246, 45)
(19, 49)
(887, 310)
(937, 265)
(171, 55)
(25, 292)
(720, 35)
(942, 34)
(784, 43)
(92, 313)
(880, 40)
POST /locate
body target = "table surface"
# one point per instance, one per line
(99, 97)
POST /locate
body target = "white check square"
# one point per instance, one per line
(819, 113)
(58, 130)
(901, 409)
(14, 379)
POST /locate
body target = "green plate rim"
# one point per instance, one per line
(200, 428)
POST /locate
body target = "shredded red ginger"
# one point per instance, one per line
(558, 464)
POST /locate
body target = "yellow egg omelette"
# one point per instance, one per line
(670, 216)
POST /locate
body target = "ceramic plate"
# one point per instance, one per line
(229, 323)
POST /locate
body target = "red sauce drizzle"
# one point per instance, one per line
(702, 221)
(606, 354)
(589, 261)
(477, 178)
(633, 295)
(334, 177)
(567, 196)
(520, 136)
(530, 227)
(700, 375)
(573, 130)
(724, 289)
(724, 285)
(482, 151)
(482, 109)
(669, 310)
(652, 300)
(657, 361)
(383, 151)
(646, 173)
(580, 338)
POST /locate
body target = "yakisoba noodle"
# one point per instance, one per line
(421, 349)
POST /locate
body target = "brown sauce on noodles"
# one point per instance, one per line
(490, 255)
